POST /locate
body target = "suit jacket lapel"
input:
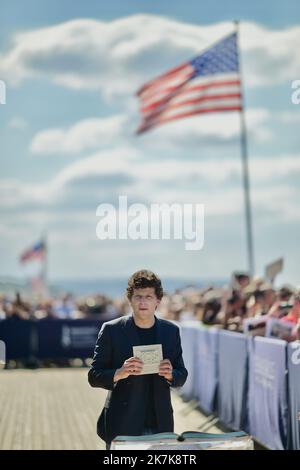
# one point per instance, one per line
(131, 331)
(161, 337)
(159, 332)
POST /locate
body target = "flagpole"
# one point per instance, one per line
(244, 156)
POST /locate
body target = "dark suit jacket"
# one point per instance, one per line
(124, 409)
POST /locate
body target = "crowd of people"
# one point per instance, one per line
(65, 306)
(227, 307)
(233, 306)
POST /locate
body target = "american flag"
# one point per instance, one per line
(206, 84)
(37, 251)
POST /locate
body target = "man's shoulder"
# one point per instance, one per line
(168, 324)
(116, 322)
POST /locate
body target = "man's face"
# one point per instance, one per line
(144, 302)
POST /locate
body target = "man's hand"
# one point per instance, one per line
(166, 370)
(132, 366)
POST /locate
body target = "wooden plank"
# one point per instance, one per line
(57, 409)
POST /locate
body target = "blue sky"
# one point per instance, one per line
(68, 144)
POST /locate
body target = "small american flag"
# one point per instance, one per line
(37, 251)
(208, 83)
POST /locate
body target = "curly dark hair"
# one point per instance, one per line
(144, 278)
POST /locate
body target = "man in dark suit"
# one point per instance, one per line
(137, 404)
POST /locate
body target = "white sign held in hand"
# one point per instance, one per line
(151, 355)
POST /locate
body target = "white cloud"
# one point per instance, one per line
(116, 57)
(98, 133)
(105, 175)
(17, 123)
(121, 160)
(13, 193)
(84, 135)
(290, 117)
(280, 200)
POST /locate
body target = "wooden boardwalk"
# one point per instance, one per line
(57, 409)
